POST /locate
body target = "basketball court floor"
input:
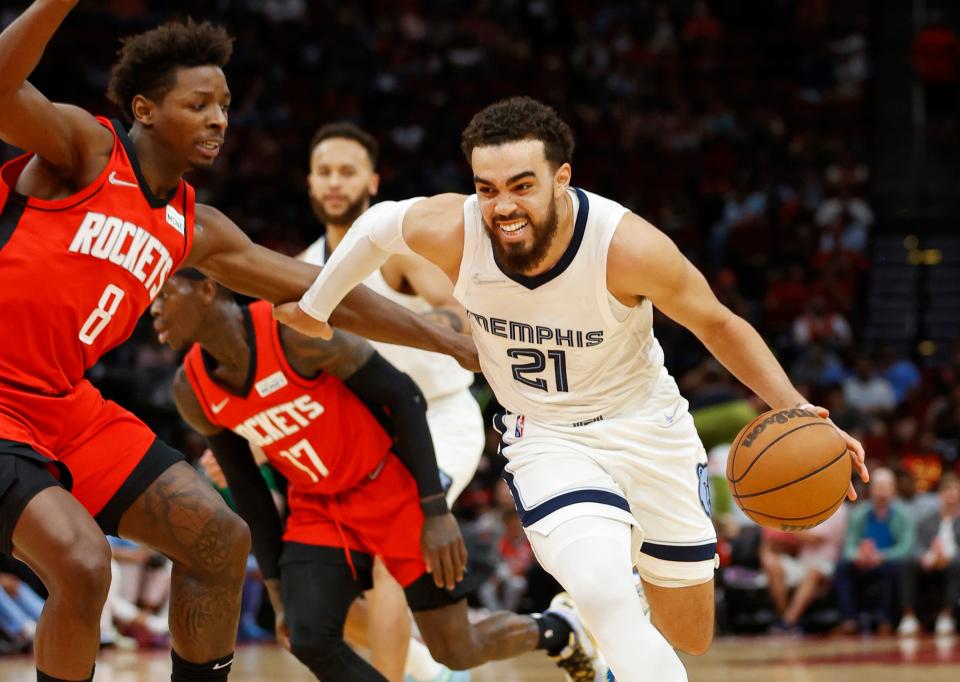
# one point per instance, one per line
(762, 659)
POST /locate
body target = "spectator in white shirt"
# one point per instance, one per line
(936, 555)
(868, 392)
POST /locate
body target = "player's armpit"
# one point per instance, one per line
(188, 405)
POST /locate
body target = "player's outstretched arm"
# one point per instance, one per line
(430, 228)
(377, 382)
(222, 251)
(250, 492)
(644, 262)
(67, 138)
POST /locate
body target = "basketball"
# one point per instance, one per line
(789, 469)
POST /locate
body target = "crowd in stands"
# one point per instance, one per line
(740, 129)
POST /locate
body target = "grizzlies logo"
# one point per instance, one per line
(704, 489)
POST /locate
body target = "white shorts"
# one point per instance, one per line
(456, 426)
(795, 568)
(647, 468)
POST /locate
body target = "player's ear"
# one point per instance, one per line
(561, 179)
(374, 185)
(208, 290)
(142, 109)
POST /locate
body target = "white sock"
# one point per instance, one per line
(420, 664)
(591, 558)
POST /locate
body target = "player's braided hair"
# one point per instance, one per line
(520, 118)
(148, 61)
(349, 131)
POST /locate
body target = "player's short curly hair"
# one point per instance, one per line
(349, 131)
(148, 61)
(520, 118)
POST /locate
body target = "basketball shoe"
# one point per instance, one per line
(580, 659)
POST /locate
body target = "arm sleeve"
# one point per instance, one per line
(370, 241)
(380, 383)
(252, 497)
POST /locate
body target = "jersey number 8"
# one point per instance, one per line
(102, 314)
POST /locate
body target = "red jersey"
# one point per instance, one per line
(315, 431)
(77, 273)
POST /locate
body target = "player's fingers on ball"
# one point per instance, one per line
(851, 493)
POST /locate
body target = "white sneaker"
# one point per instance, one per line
(580, 659)
(945, 625)
(909, 626)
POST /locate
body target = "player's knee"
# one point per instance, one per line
(591, 589)
(454, 655)
(695, 640)
(83, 575)
(238, 541)
(318, 653)
(229, 538)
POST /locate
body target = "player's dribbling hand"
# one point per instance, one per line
(443, 550)
(853, 446)
(292, 315)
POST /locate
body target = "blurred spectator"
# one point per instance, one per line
(845, 215)
(936, 60)
(138, 600)
(868, 392)
(902, 373)
(508, 584)
(802, 563)
(818, 324)
(880, 537)
(20, 609)
(937, 555)
(818, 366)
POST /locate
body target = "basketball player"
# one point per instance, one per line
(353, 492)
(603, 459)
(342, 178)
(92, 222)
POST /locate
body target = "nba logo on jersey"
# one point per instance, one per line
(518, 429)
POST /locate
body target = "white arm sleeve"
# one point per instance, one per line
(371, 240)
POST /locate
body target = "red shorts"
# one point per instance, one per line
(98, 441)
(380, 516)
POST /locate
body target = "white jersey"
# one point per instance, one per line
(558, 347)
(436, 375)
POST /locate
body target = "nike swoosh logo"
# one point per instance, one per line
(220, 666)
(478, 280)
(219, 406)
(669, 417)
(123, 183)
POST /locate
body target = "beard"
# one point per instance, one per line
(347, 216)
(519, 257)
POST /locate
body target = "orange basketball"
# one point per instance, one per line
(789, 469)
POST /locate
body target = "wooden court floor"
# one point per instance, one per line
(762, 659)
